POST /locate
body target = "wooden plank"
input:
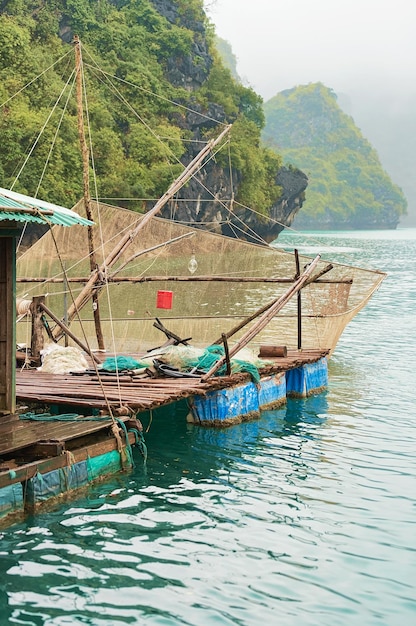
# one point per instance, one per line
(38, 431)
(28, 470)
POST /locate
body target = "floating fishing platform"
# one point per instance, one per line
(45, 455)
(60, 432)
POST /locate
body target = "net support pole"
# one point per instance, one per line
(95, 281)
(266, 317)
(68, 332)
(37, 340)
(299, 302)
(86, 187)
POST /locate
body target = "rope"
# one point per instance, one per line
(151, 131)
(116, 433)
(150, 421)
(41, 132)
(82, 328)
(91, 151)
(142, 446)
(34, 79)
(126, 82)
(65, 108)
(22, 306)
(128, 446)
(62, 417)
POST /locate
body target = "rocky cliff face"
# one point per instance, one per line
(197, 204)
(198, 207)
(202, 201)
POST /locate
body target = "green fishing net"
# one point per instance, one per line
(122, 363)
(212, 354)
(186, 359)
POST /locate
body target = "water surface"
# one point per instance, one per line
(304, 517)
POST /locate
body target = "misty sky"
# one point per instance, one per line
(348, 45)
(365, 50)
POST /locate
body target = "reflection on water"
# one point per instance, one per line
(159, 527)
(307, 514)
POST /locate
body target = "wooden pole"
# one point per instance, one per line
(266, 317)
(327, 268)
(36, 343)
(68, 332)
(175, 186)
(8, 317)
(147, 250)
(86, 187)
(299, 302)
(267, 306)
(245, 321)
(65, 305)
(200, 278)
(226, 353)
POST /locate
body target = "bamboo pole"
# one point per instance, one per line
(327, 268)
(267, 306)
(200, 278)
(152, 249)
(125, 241)
(266, 317)
(36, 344)
(226, 353)
(203, 278)
(299, 301)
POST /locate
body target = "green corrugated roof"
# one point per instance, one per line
(20, 208)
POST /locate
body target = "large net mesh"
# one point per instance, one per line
(198, 306)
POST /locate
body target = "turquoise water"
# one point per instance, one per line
(304, 517)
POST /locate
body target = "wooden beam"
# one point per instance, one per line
(86, 186)
(70, 334)
(200, 278)
(129, 236)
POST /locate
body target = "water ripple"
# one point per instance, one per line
(306, 516)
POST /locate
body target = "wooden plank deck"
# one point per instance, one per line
(135, 392)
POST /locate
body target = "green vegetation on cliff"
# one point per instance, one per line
(348, 187)
(163, 47)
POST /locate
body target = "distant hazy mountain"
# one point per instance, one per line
(228, 57)
(389, 122)
(348, 187)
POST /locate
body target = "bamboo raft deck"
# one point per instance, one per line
(135, 392)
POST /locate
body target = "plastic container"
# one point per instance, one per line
(164, 299)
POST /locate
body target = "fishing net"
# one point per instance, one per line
(197, 283)
(210, 357)
(122, 363)
(182, 360)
